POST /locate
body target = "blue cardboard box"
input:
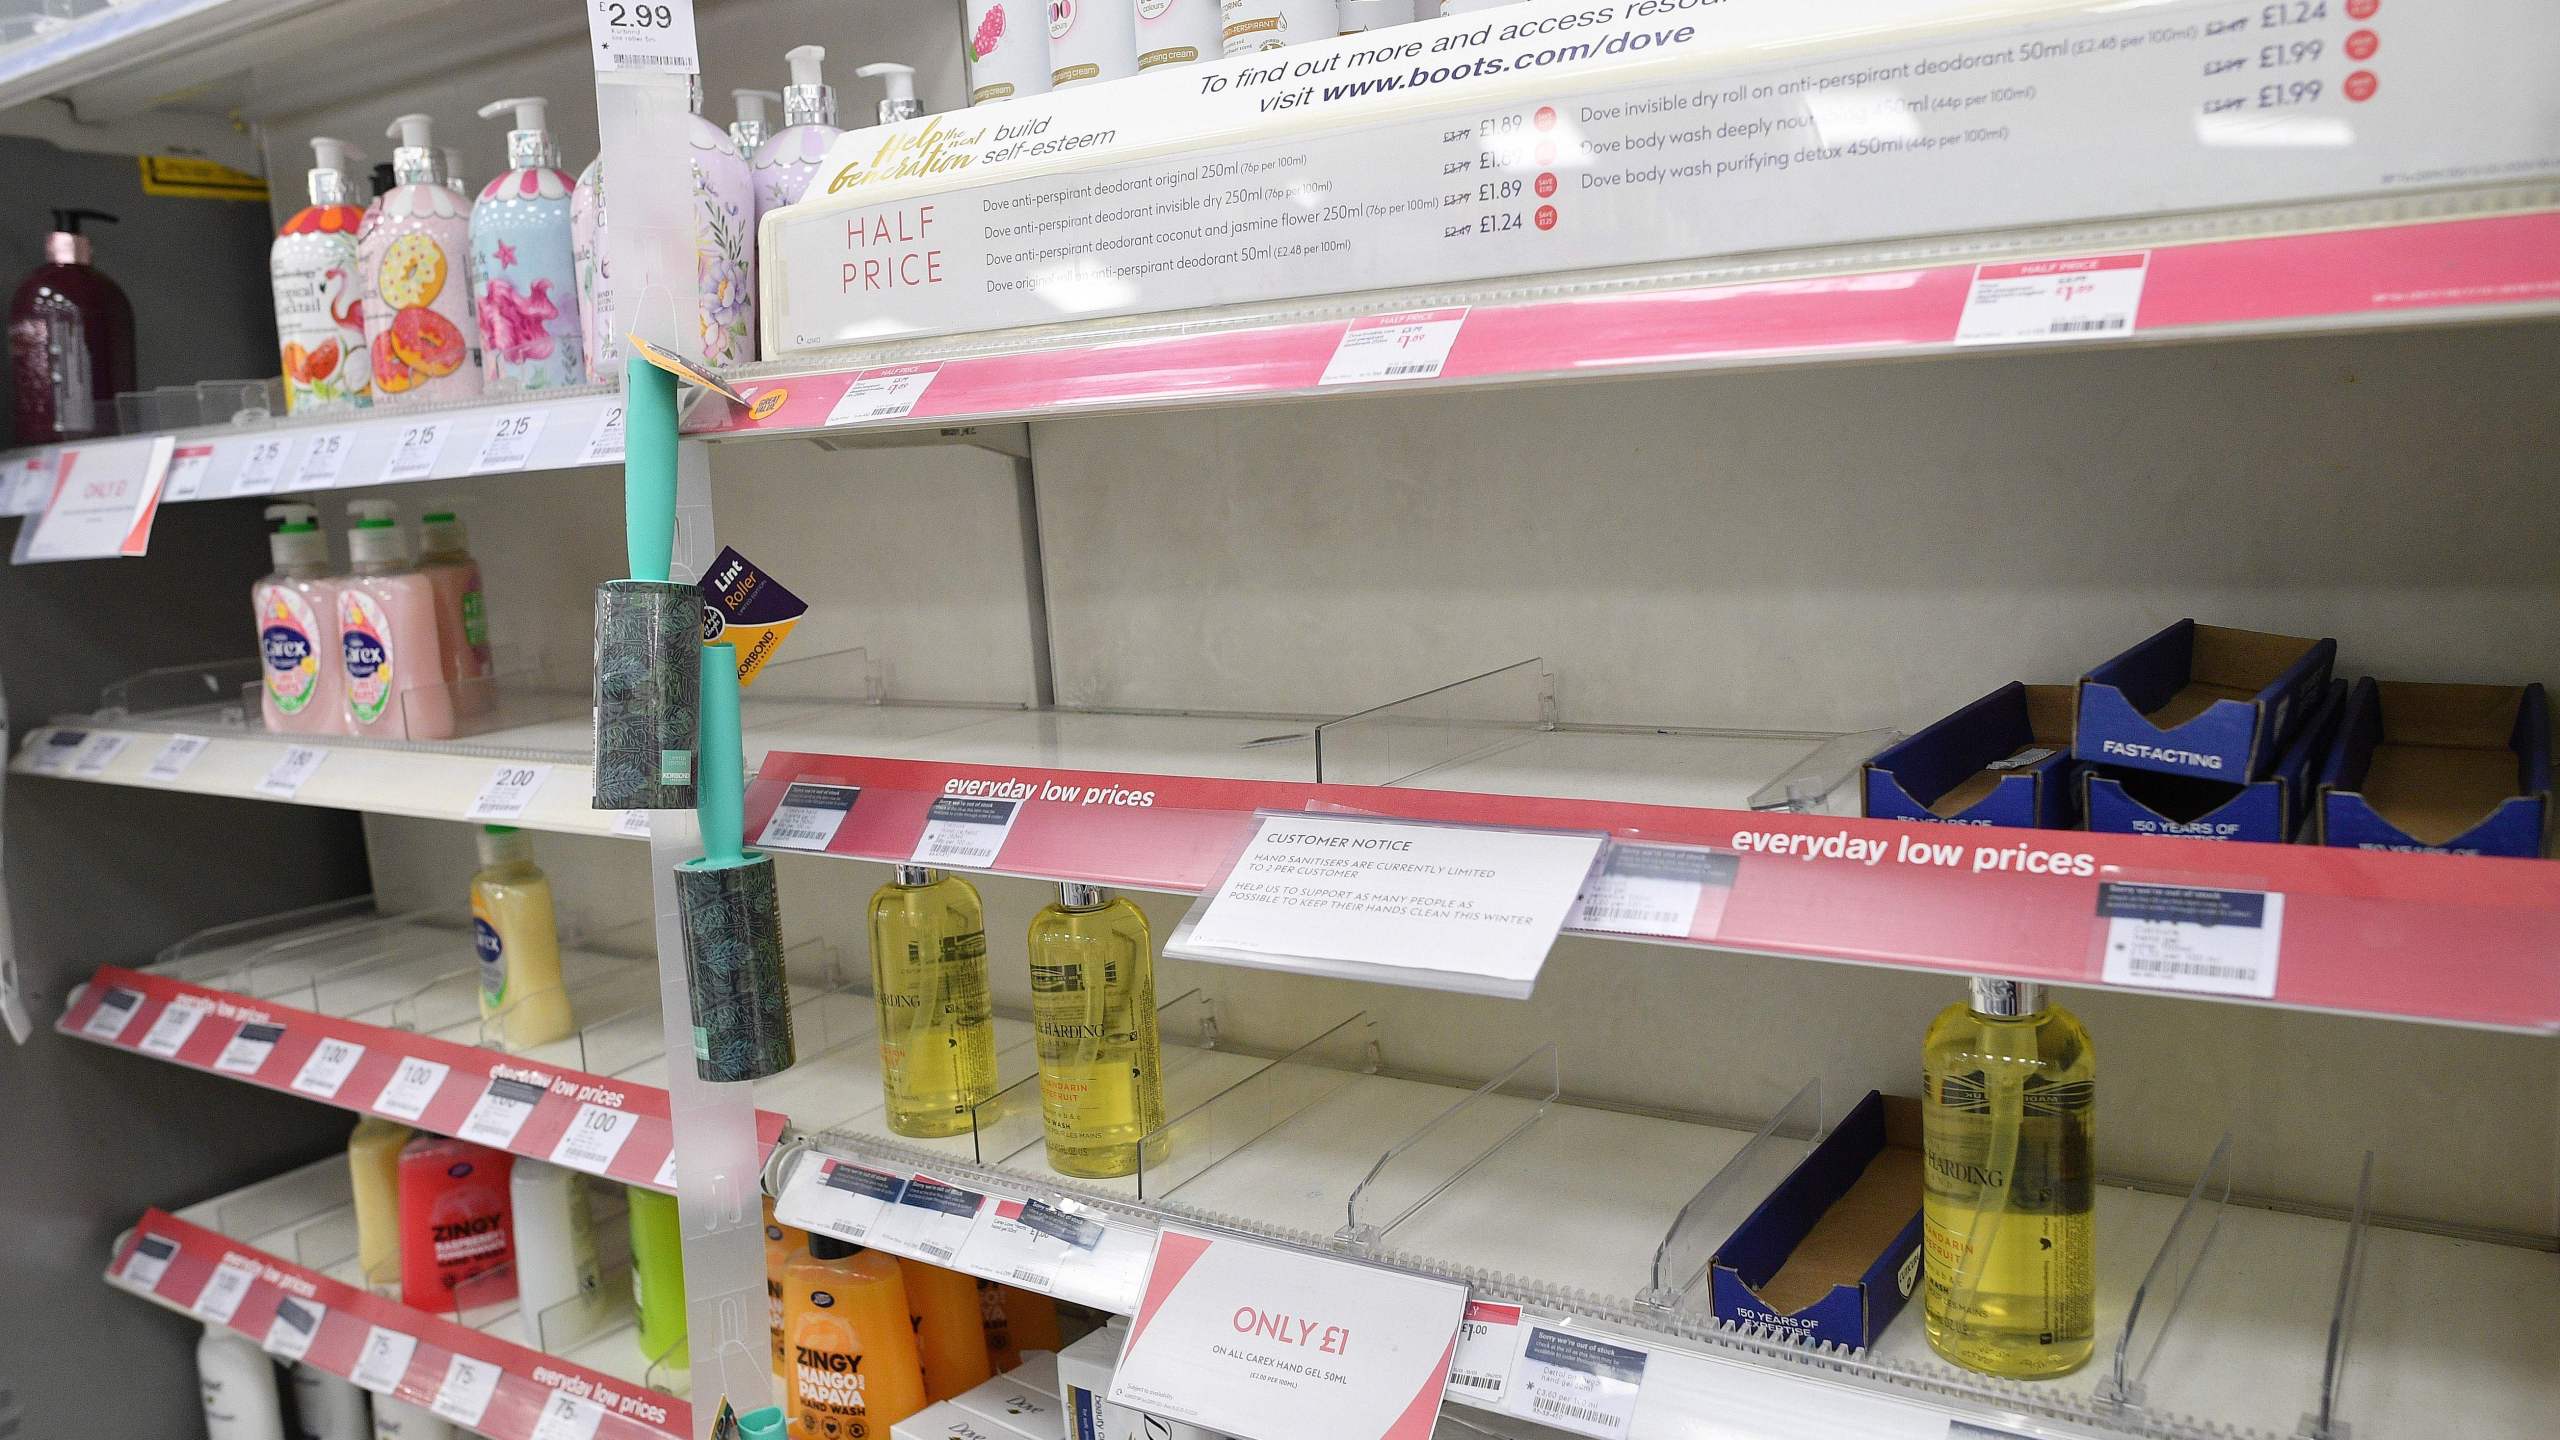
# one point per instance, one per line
(2005, 759)
(2202, 701)
(1834, 1251)
(2453, 769)
(2145, 802)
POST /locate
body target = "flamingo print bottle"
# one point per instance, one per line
(785, 164)
(523, 264)
(417, 307)
(724, 254)
(320, 292)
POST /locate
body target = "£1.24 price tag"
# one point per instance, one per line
(414, 451)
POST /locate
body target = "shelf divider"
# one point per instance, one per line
(2165, 1285)
(1680, 1260)
(1417, 1169)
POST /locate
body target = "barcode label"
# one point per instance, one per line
(809, 816)
(2053, 299)
(1551, 1406)
(2070, 327)
(1578, 1382)
(1411, 346)
(1643, 889)
(2193, 938)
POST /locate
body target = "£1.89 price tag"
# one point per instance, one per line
(1410, 346)
(593, 1138)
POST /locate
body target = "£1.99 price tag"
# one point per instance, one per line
(1577, 1382)
(643, 36)
(2094, 298)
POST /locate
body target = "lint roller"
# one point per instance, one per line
(648, 630)
(732, 909)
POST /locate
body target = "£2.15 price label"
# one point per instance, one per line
(414, 451)
(263, 466)
(510, 441)
(2190, 937)
(324, 459)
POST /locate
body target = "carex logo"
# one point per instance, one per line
(286, 648)
(364, 653)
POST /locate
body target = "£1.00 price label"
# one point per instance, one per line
(330, 1063)
(413, 1083)
(1488, 1343)
(595, 1135)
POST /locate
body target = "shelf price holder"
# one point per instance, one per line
(1575, 1381)
(930, 1221)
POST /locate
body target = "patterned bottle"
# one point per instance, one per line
(785, 164)
(524, 263)
(320, 292)
(417, 289)
(598, 336)
(724, 254)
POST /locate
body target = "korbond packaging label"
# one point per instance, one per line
(745, 607)
(1540, 137)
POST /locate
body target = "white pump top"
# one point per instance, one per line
(413, 160)
(752, 126)
(329, 172)
(900, 102)
(529, 141)
(808, 99)
(296, 544)
(373, 535)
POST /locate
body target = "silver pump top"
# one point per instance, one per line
(413, 159)
(808, 99)
(449, 170)
(329, 171)
(900, 102)
(912, 876)
(529, 144)
(1075, 895)
(753, 126)
(2005, 999)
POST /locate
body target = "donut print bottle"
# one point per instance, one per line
(523, 265)
(417, 310)
(320, 292)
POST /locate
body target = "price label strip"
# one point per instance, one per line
(149, 1261)
(286, 777)
(1410, 346)
(177, 1024)
(99, 753)
(501, 1111)
(567, 1417)
(1029, 1241)
(2096, 298)
(847, 1201)
(324, 460)
(1577, 1382)
(2191, 938)
(890, 393)
(115, 1011)
(327, 1068)
(594, 1137)
(415, 451)
(463, 1395)
(509, 443)
(248, 1051)
(965, 833)
(809, 816)
(225, 1288)
(509, 790)
(1645, 889)
(931, 1220)
(414, 1083)
(296, 1325)
(263, 466)
(1488, 1346)
(175, 757)
(383, 1360)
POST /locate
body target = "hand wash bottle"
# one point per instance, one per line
(523, 270)
(319, 290)
(418, 324)
(937, 1021)
(1093, 1014)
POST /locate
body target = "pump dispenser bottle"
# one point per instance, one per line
(2008, 1085)
(785, 164)
(297, 613)
(373, 1168)
(937, 1020)
(70, 340)
(657, 1277)
(724, 246)
(462, 612)
(850, 1367)
(951, 1337)
(417, 312)
(387, 636)
(514, 930)
(1093, 1013)
(523, 272)
(319, 290)
(898, 98)
(754, 124)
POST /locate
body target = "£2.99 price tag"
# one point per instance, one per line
(595, 1135)
(2190, 937)
(509, 789)
(646, 36)
(1410, 346)
(1577, 1382)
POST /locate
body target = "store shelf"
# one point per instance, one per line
(381, 1015)
(2447, 258)
(298, 1232)
(1563, 1209)
(553, 430)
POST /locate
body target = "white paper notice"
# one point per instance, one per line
(889, 393)
(149, 1260)
(510, 441)
(383, 1360)
(509, 789)
(1645, 889)
(809, 816)
(225, 1288)
(296, 1325)
(324, 459)
(965, 833)
(1441, 906)
(285, 778)
(1413, 345)
(99, 752)
(188, 465)
(463, 1396)
(2183, 937)
(102, 502)
(604, 442)
(844, 1200)
(414, 451)
(1488, 1343)
(175, 757)
(178, 1021)
(641, 36)
(1254, 1339)
(330, 1063)
(501, 1111)
(930, 1221)
(1025, 1242)
(1577, 1382)
(415, 1082)
(2087, 299)
(594, 1137)
(248, 1051)
(115, 1011)
(567, 1417)
(263, 466)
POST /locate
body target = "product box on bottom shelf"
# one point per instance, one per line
(2270, 809)
(2201, 700)
(1834, 1251)
(1084, 1388)
(2459, 769)
(2005, 759)
(1025, 1397)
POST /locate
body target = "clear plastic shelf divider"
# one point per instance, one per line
(1444, 1149)
(1398, 741)
(282, 969)
(364, 968)
(2324, 1423)
(206, 694)
(1811, 786)
(521, 693)
(1008, 1123)
(211, 950)
(1729, 1196)
(326, 1242)
(2165, 1285)
(1215, 1127)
